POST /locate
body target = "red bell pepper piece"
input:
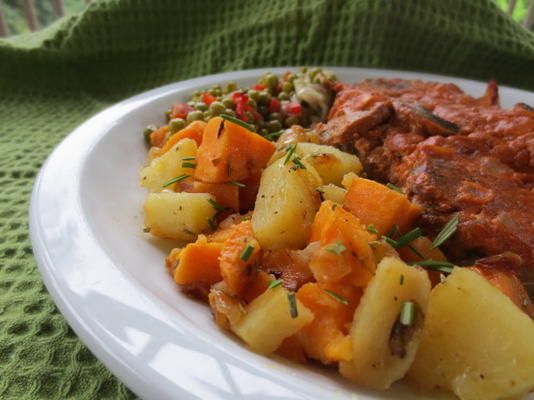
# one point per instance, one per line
(180, 110)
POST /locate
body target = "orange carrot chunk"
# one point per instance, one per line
(199, 263)
(157, 138)
(510, 285)
(374, 203)
(238, 255)
(230, 152)
(192, 131)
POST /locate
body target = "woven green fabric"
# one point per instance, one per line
(53, 80)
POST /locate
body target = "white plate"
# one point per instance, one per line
(107, 276)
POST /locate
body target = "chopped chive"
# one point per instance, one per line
(238, 184)
(407, 313)
(394, 231)
(290, 148)
(217, 206)
(448, 230)
(374, 242)
(174, 180)
(336, 296)
(212, 224)
(444, 267)
(337, 248)
(238, 122)
(275, 283)
(371, 228)
(245, 255)
(395, 188)
(298, 163)
(273, 134)
(292, 305)
(409, 237)
(391, 242)
(188, 165)
(189, 159)
(412, 248)
(315, 155)
(401, 280)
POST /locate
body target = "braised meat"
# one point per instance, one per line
(450, 153)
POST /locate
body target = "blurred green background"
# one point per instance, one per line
(45, 12)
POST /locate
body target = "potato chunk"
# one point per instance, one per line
(476, 343)
(285, 205)
(331, 163)
(168, 166)
(382, 348)
(268, 320)
(332, 192)
(178, 215)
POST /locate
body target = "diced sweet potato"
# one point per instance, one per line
(158, 137)
(230, 152)
(199, 263)
(379, 205)
(236, 260)
(192, 131)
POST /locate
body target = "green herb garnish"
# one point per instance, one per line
(412, 248)
(337, 248)
(188, 165)
(391, 242)
(174, 180)
(401, 280)
(217, 206)
(298, 163)
(336, 296)
(238, 122)
(273, 135)
(409, 237)
(245, 255)
(275, 283)
(394, 231)
(395, 188)
(238, 184)
(290, 148)
(407, 313)
(189, 159)
(444, 267)
(212, 224)
(448, 230)
(292, 305)
(371, 228)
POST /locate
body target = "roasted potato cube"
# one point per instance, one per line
(178, 215)
(476, 342)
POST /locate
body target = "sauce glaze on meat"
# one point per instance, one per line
(450, 153)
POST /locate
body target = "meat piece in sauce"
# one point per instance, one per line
(450, 153)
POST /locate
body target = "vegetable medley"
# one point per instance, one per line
(297, 253)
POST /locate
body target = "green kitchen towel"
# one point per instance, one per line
(53, 80)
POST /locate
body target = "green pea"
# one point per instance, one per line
(201, 106)
(263, 110)
(329, 75)
(303, 69)
(291, 121)
(167, 116)
(288, 87)
(216, 107)
(215, 90)
(207, 115)
(252, 103)
(228, 103)
(292, 77)
(263, 131)
(262, 124)
(230, 87)
(264, 97)
(176, 124)
(229, 112)
(253, 94)
(271, 81)
(194, 116)
(283, 96)
(148, 130)
(250, 117)
(275, 116)
(274, 126)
